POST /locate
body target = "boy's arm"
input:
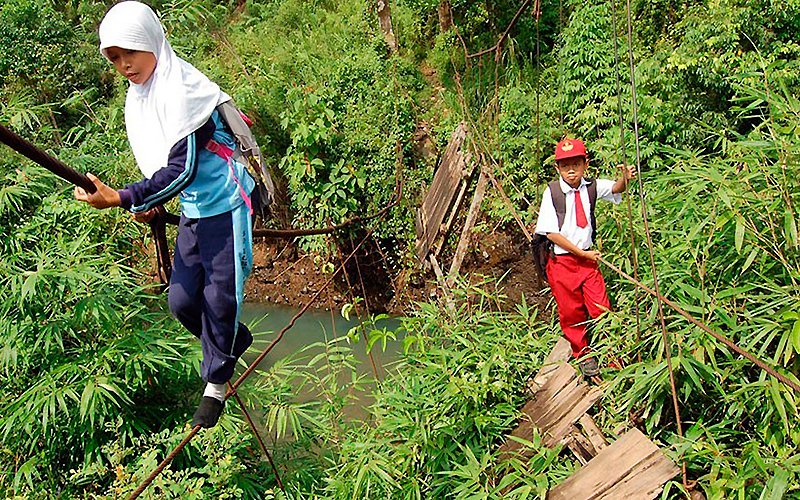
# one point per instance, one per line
(567, 245)
(627, 173)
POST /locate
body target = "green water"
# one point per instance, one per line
(316, 325)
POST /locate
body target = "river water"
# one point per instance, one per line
(316, 325)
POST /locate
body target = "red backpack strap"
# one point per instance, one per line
(226, 154)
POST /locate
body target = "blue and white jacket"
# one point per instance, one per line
(208, 183)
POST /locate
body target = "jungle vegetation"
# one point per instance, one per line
(98, 381)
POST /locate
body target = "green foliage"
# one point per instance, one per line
(93, 364)
(726, 250)
(430, 426)
(327, 190)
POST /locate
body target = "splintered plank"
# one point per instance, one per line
(560, 402)
(632, 467)
(558, 428)
(466, 233)
(559, 355)
(455, 167)
(593, 433)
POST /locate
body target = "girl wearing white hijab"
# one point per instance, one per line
(183, 147)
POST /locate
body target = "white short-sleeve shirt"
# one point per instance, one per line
(581, 237)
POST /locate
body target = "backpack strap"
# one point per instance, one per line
(560, 202)
(227, 154)
(248, 148)
(592, 190)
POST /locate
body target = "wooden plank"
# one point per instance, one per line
(551, 411)
(440, 195)
(460, 176)
(448, 296)
(580, 446)
(437, 271)
(592, 432)
(444, 229)
(466, 233)
(510, 447)
(560, 354)
(610, 467)
(646, 480)
(560, 378)
(557, 432)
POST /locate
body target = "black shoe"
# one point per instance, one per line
(207, 414)
(589, 367)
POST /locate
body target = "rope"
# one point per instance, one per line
(232, 387)
(258, 437)
(725, 340)
(293, 233)
(659, 302)
(623, 154)
(358, 312)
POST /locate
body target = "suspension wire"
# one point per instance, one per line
(232, 387)
(361, 326)
(537, 12)
(664, 335)
(258, 438)
(623, 154)
(561, 97)
(725, 340)
(293, 233)
(369, 314)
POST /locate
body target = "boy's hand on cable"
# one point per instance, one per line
(628, 172)
(592, 255)
(103, 197)
(145, 216)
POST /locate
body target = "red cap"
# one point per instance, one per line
(569, 148)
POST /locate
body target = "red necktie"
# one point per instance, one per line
(580, 215)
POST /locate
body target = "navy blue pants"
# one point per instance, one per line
(213, 257)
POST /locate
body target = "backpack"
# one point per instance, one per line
(543, 247)
(249, 154)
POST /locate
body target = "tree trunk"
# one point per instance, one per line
(445, 16)
(385, 16)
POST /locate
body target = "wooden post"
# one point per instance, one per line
(385, 17)
(472, 216)
(445, 16)
(448, 295)
(510, 205)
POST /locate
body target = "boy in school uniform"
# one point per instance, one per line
(573, 272)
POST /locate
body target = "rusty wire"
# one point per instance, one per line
(623, 155)
(232, 387)
(257, 434)
(235, 385)
(649, 239)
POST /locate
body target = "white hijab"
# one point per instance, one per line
(176, 100)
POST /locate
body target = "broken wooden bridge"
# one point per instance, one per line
(632, 467)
